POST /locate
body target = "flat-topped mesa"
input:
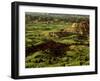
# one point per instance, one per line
(80, 28)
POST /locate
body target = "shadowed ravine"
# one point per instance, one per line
(52, 46)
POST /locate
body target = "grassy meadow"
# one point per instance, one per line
(56, 40)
